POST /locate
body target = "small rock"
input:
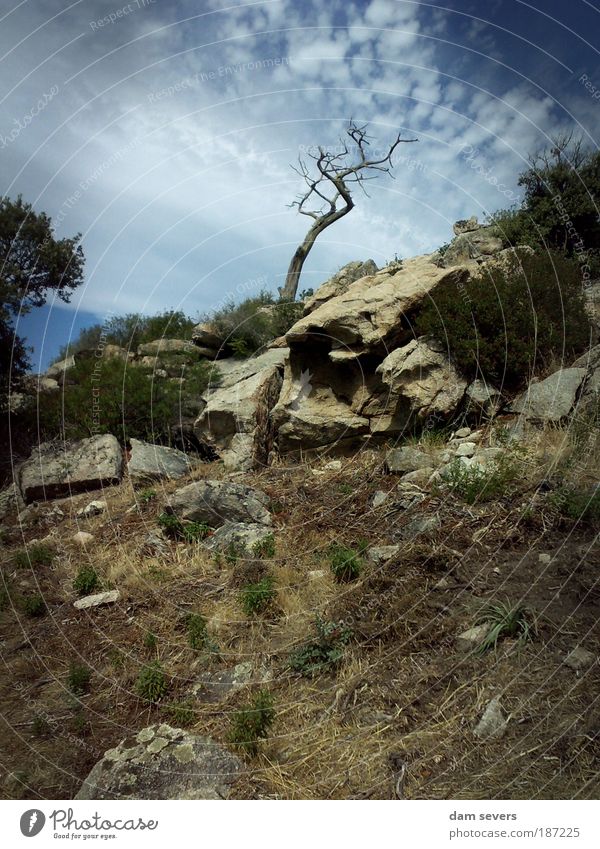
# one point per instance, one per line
(579, 659)
(107, 597)
(94, 508)
(315, 574)
(239, 534)
(466, 449)
(544, 558)
(333, 465)
(420, 477)
(379, 498)
(493, 722)
(421, 526)
(381, 553)
(472, 639)
(462, 432)
(82, 538)
(406, 459)
(155, 544)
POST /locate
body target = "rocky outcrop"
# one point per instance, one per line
(166, 346)
(339, 283)
(55, 470)
(242, 536)
(235, 419)
(218, 502)
(156, 462)
(552, 399)
(161, 762)
(208, 338)
(473, 243)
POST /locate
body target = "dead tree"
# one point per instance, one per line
(329, 190)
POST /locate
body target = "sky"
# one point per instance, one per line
(164, 132)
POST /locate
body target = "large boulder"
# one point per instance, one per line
(235, 420)
(208, 336)
(339, 283)
(552, 399)
(55, 470)
(154, 462)
(473, 242)
(241, 535)
(166, 346)
(218, 502)
(161, 762)
(57, 371)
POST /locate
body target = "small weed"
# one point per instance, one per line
(477, 483)
(174, 528)
(157, 573)
(34, 605)
(264, 547)
(181, 713)
(116, 658)
(195, 531)
(40, 726)
(253, 723)
(150, 641)
(78, 679)
(344, 562)
(506, 620)
(196, 628)
(146, 495)
(86, 580)
(36, 555)
(232, 553)
(152, 682)
(578, 505)
(323, 653)
(346, 489)
(256, 598)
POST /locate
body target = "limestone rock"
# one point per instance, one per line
(207, 335)
(465, 225)
(108, 597)
(219, 502)
(482, 398)
(166, 346)
(579, 659)
(339, 283)
(58, 370)
(94, 508)
(406, 459)
(82, 538)
(215, 686)
(478, 244)
(493, 722)
(379, 554)
(421, 526)
(551, 399)
(57, 470)
(162, 762)
(472, 638)
(156, 462)
(239, 534)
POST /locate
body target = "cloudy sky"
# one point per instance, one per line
(164, 131)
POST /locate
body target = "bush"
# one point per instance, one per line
(256, 598)
(174, 528)
(253, 723)
(344, 562)
(36, 555)
(86, 580)
(248, 326)
(196, 628)
(78, 679)
(576, 504)
(152, 682)
(264, 547)
(323, 653)
(34, 605)
(481, 483)
(512, 321)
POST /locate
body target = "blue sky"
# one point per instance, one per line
(168, 129)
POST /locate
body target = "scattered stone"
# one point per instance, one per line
(82, 538)
(155, 544)
(579, 659)
(552, 399)
(55, 470)
(97, 599)
(219, 502)
(316, 574)
(406, 459)
(473, 638)
(379, 498)
(162, 762)
(544, 558)
(466, 449)
(94, 508)
(156, 462)
(420, 477)
(333, 466)
(382, 553)
(215, 686)
(492, 724)
(421, 526)
(461, 433)
(243, 537)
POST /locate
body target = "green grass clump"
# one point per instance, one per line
(264, 547)
(174, 528)
(481, 483)
(253, 723)
(78, 679)
(150, 641)
(86, 580)
(152, 684)
(505, 620)
(34, 605)
(36, 555)
(256, 598)
(344, 562)
(146, 495)
(324, 652)
(181, 713)
(196, 628)
(576, 504)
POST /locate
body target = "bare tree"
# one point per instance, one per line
(329, 190)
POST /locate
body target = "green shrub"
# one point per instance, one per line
(577, 504)
(248, 326)
(181, 713)
(505, 620)
(86, 580)
(150, 641)
(146, 495)
(512, 321)
(152, 684)
(78, 679)
(36, 555)
(196, 628)
(253, 723)
(481, 483)
(344, 562)
(34, 605)
(174, 528)
(264, 547)
(256, 598)
(324, 652)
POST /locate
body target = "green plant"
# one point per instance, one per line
(146, 495)
(344, 562)
(78, 679)
(345, 488)
(195, 531)
(181, 713)
(256, 598)
(253, 723)
(152, 684)
(40, 726)
(577, 504)
(505, 620)
(174, 528)
(264, 547)
(150, 641)
(86, 580)
(34, 605)
(36, 555)
(324, 652)
(481, 483)
(196, 628)
(232, 553)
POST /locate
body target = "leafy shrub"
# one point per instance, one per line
(181, 713)
(512, 321)
(146, 495)
(576, 504)
(481, 483)
(248, 326)
(152, 684)
(505, 620)
(256, 598)
(34, 605)
(196, 628)
(78, 679)
(264, 547)
(344, 562)
(36, 555)
(174, 528)
(86, 580)
(253, 723)
(324, 652)
(150, 641)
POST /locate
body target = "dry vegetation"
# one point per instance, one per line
(395, 717)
